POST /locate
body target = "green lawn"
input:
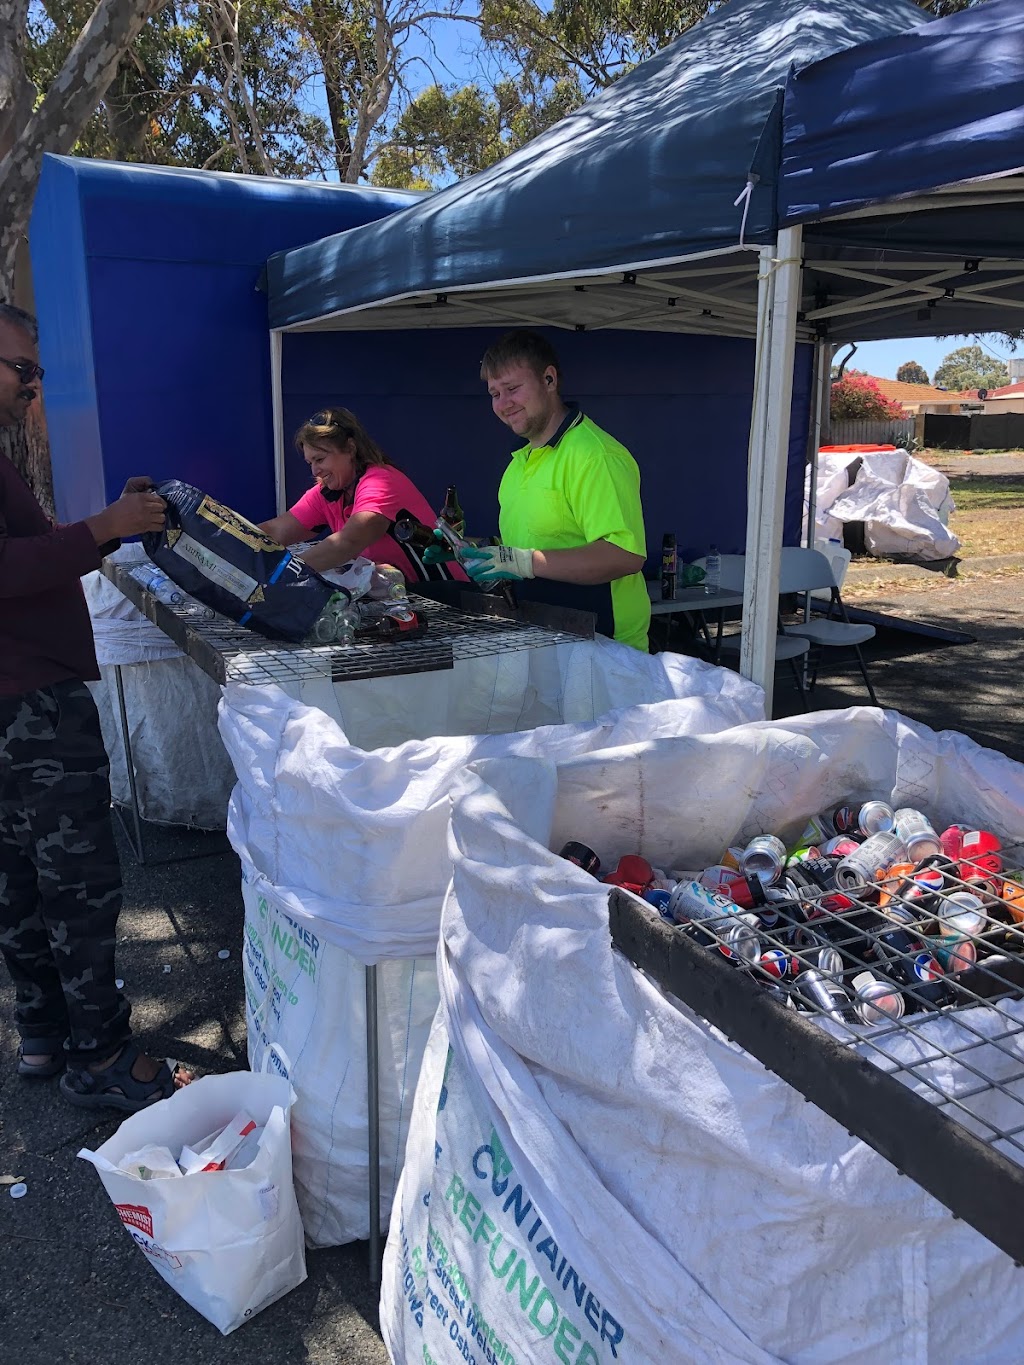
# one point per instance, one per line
(985, 491)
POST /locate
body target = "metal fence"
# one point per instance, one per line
(891, 432)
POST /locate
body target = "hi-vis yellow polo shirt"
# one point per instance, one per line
(582, 486)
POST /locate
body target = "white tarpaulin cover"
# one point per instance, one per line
(345, 862)
(183, 776)
(903, 503)
(595, 1174)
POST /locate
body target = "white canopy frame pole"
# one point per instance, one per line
(769, 448)
(277, 410)
(822, 395)
(751, 664)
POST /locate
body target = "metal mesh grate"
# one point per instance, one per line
(938, 1091)
(930, 959)
(231, 653)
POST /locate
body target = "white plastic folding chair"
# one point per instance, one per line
(787, 647)
(800, 571)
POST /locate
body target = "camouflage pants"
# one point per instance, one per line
(60, 880)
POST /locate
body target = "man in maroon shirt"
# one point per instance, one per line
(60, 882)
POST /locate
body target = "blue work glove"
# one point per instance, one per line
(497, 563)
(438, 553)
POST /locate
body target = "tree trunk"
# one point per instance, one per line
(25, 134)
(56, 124)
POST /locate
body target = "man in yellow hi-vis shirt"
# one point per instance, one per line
(570, 499)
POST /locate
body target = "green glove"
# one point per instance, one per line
(497, 563)
(438, 553)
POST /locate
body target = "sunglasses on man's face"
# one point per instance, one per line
(24, 369)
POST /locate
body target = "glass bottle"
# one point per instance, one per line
(409, 530)
(451, 511)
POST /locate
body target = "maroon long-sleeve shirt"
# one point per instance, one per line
(45, 631)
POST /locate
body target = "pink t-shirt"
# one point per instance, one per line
(387, 491)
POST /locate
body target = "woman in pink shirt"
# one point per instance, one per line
(357, 493)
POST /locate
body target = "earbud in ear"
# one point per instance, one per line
(550, 380)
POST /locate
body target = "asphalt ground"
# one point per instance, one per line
(974, 688)
(73, 1286)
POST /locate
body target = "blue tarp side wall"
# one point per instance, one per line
(152, 331)
(648, 170)
(680, 404)
(931, 107)
(64, 310)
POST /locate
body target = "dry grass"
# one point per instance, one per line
(991, 531)
(883, 584)
(931, 456)
(989, 516)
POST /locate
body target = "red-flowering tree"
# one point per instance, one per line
(857, 397)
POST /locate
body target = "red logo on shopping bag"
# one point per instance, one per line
(136, 1216)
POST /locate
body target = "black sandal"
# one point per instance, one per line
(115, 1087)
(50, 1048)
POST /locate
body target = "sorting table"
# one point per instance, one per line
(479, 626)
(696, 603)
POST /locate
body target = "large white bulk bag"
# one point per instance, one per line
(594, 1173)
(346, 863)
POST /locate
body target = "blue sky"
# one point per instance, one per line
(883, 358)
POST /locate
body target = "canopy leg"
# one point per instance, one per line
(777, 303)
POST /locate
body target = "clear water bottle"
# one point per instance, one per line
(337, 623)
(712, 571)
(154, 580)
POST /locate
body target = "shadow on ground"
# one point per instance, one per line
(75, 1289)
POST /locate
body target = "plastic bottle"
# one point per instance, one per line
(712, 571)
(155, 581)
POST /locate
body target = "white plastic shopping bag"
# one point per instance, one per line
(229, 1242)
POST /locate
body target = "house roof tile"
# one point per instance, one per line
(898, 392)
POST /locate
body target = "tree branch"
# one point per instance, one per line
(64, 111)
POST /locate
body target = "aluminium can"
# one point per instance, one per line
(582, 856)
(691, 903)
(876, 854)
(961, 914)
(876, 1000)
(823, 995)
(915, 829)
(876, 817)
(764, 858)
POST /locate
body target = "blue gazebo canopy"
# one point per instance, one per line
(647, 172)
